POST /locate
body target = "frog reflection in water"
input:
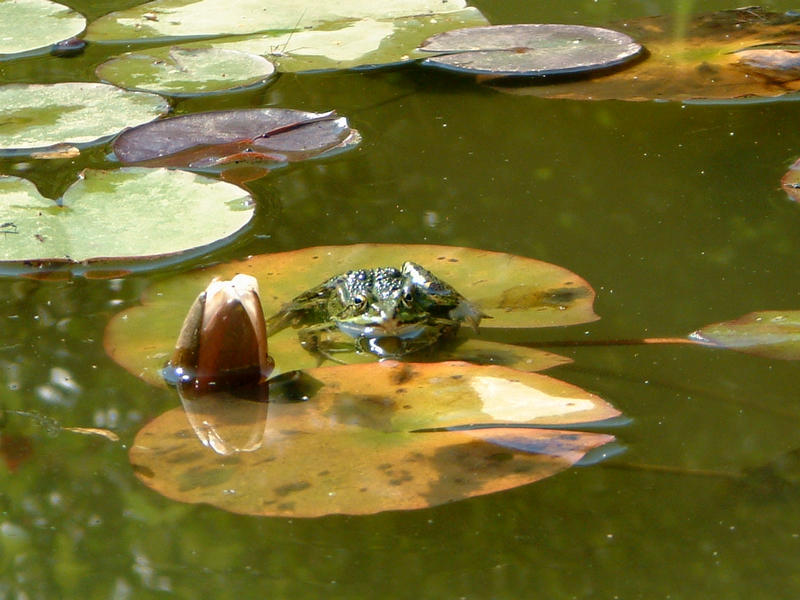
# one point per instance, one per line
(385, 311)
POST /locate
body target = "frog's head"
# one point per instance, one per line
(375, 297)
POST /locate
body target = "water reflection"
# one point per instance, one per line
(235, 420)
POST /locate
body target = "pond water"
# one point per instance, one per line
(673, 212)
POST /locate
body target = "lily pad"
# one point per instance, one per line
(347, 44)
(125, 214)
(355, 447)
(718, 56)
(770, 333)
(176, 71)
(513, 291)
(791, 181)
(170, 19)
(37, 116)
(216, 140)
(530, 49)
(45, 23)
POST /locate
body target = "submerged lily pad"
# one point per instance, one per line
(513, 291)
(355, 447)
(30, 25)
(36, 116)
(718, 56)
(214, 140)
(177, 71)
(791, 181)
(770, 333)
(129, 213)
(531, 49)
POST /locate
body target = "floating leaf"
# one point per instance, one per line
(129, 213)
(791, 181)
(37, 116)
(177, 71)
(29, 25)
(215, 140)
(514, 291)
(344, 44)
(170, 19)
(717, 56)
(352, 448)
(770, 333)
(531, 50)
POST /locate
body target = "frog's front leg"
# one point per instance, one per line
(326, 339)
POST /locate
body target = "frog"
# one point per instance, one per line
(384, 311)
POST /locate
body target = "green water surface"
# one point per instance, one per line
(673, 212)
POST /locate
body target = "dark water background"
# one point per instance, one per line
(672, 212)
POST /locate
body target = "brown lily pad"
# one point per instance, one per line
(769, 333)
(229, 138)
(741, 53)
(513, 291)
(530, 49)
(355, 447)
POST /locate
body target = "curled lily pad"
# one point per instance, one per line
(30, 25)
(791, 181)
(377, 437)
(171, 19)
(215, 140)
(718, 56)
(125, 214)
(38, 116)
(513, 291)
(770, 333)
(177, 71)
(530, 49)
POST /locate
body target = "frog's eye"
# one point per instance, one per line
(359, 299)
(408, 296)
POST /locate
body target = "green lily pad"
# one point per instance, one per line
(718, 56)
(222, 139)
(347, 44)
(355, 447)
(170, 19)
(37, 116)
(770, 333)
(530, 50)
(30, 25)
(125, 214)
(791, 181)
(514, 291)
(177, 71)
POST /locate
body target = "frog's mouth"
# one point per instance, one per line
(389, 328)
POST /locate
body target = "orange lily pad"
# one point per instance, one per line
(514, 291)
(357, 446)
